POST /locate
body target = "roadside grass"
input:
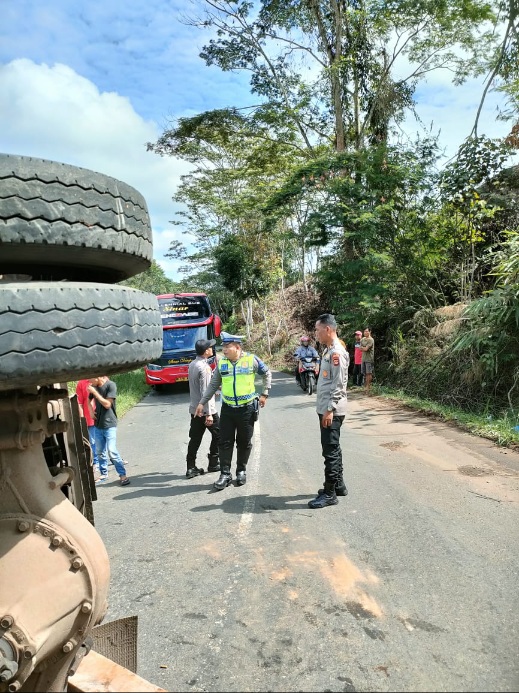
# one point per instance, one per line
(131, 388)
(498, 429)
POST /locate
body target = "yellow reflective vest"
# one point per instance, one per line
(237, 380)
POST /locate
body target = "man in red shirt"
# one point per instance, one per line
(357, 361)
(86, 411)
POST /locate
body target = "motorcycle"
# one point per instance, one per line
(308, 369)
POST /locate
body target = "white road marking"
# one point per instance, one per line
(252, 484)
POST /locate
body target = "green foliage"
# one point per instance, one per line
(247, 266)
(131, 388)
(371, 212)
(352, 49)
(312, 177)
(492, 325)
(468, 357)
(500, 428)
(153, 280)
(478, 161)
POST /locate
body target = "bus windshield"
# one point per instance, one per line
(183, 338)
(175, 309)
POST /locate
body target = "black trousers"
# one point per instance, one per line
(236, 425)
(196, 433)
(357, 374)
(332, 453)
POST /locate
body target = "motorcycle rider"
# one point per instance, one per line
(303, 350)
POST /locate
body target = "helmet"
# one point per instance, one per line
(304, 338)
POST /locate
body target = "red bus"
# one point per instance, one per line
(186, 318)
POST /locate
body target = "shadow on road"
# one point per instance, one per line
(157, 485)
(263, 503)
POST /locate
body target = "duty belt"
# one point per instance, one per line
(239, 406)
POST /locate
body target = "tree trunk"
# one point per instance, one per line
(267, 332)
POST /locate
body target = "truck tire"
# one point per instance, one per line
(57, 332)
(63, 222)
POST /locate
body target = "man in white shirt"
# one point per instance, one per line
(199, 375)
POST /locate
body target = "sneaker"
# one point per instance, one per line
(323, 500)
(124, 481)
(101, 480)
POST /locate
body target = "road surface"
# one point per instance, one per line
(408, 584)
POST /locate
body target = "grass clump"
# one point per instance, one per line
(500, 429)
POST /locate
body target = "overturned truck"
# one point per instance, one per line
(67, 236)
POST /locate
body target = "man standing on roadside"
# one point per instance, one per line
(86, 412)
(235, 374)
(199, 376)
(104, 394)
(357, 360)
(367, 346)
(331, 409)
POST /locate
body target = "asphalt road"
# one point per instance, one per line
(409, 584)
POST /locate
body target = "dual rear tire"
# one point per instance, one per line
(66, 234)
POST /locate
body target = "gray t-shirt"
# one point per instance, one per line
(333, 380)
(369, 355)
(199, 375)
(106, 418)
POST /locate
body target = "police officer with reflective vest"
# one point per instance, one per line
(235, 374)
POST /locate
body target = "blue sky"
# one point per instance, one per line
(89, 83)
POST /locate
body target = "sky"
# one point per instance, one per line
(89, 83)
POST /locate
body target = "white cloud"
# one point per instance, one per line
(51, 112)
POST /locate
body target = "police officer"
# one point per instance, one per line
(235, 375)
(331, 409)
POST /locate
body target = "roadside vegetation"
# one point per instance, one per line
(313, 200)
(500, 430)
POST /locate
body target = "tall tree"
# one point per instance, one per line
(332, 67)
(237, 164)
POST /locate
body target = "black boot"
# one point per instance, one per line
(340, 488)
(214, 463)
(193, 471)
(241, 477)
(224, 480)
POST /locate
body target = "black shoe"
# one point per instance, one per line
(223, 481)
(241, 478)
(340, 490)
(194, 471)
(323, 500)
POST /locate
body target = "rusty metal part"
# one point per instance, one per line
(54, 570)
(64, 477)
(97, 673)
(28, 418)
